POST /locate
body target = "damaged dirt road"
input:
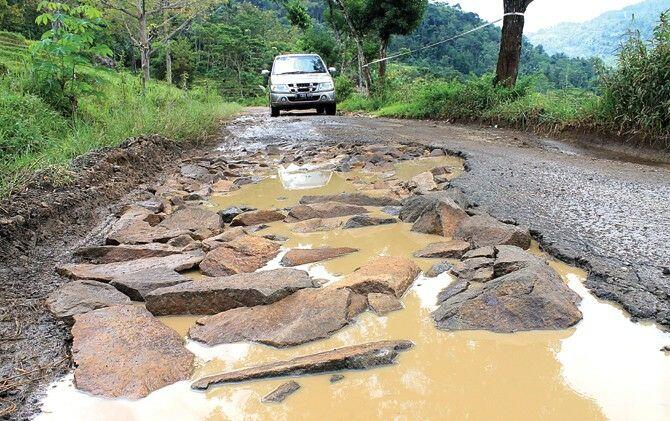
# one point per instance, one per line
(289, 232)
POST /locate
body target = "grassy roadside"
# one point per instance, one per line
(34, 137)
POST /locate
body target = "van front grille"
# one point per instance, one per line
(303, 87)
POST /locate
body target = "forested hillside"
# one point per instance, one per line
(601, 37)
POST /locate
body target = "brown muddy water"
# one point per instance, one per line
(604, 368)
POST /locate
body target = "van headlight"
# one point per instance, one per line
(280, 89)
(326, 86)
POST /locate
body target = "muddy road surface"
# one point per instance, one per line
(410, 267)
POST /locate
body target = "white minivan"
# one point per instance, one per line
(299, 82)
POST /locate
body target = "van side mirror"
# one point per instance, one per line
(265, 73)
(332, 70)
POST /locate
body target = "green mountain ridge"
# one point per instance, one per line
(602, 36)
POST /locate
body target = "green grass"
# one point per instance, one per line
(33, 136)
(477, 100)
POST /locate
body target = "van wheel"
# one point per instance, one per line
(320, 110)
(274, 111)
(331, 109)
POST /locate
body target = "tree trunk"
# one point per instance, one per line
(168, 63)
(507, 70)
(145, 46)
(383, 47)
(364, 79)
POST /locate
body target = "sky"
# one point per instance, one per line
(545, 13)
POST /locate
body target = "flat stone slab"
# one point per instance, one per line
(358, 199)
(138, 285)
(257, 217)
(297, 257)
(356, 357)
(452, 249)
(78, 297)
(307, 315)
(282, 392)
(125, 252)
(125, 352)
(383, 304)
(215, 295)
(323, 210)
(385, 275)
(484, 230)
(361, 221)
(317, 225)
(243, 254)
(198, 222)
(120, 270)
(139, 225)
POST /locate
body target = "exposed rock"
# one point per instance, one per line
(531, 298)
(478, 269)
(224, 186)
(437, 152)
(275, 237)
(137, 226)
(226, 236)
(227, 215)
(307, 315)
(195, 172)
(438, 269)
(386, 275)
(199, 222)
(454, 288)
(391, 210)
(512, 258)
(152, 205)
(487, 251)
(452, 249)
(360, 221)
(415, 206)
(183, 242)
(212, 296)
(483, 230)
(317, 225)
(336, 378)
(297, 257)
(282, 392)
(118, 271)
(358, 199)
(246, 253)
(122, 253)
(137, 285)
(257, 217)
(425, 183)
(357, 357)
(383, 303)
(124, 352)
(78, 297)
(323, 210)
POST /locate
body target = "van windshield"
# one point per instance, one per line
(298, 64)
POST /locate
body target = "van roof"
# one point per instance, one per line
(298, 55)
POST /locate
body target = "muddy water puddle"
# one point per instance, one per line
(604, 368)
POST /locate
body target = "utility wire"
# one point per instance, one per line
(405, 53)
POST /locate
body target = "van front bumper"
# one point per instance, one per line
(306, 100)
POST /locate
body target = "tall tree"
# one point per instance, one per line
(353, 13)
(394, 17)
(507, 70)
(140, 17)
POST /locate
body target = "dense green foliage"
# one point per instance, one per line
(601, 37)
(477, 53)
(637, 93)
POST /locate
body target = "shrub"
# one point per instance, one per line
(636, 94)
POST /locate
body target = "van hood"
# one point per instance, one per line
(301, 78)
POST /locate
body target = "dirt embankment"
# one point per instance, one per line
(38, 226)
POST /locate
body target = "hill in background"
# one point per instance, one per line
(601, 37)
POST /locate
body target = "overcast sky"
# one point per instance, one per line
(544, 13)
